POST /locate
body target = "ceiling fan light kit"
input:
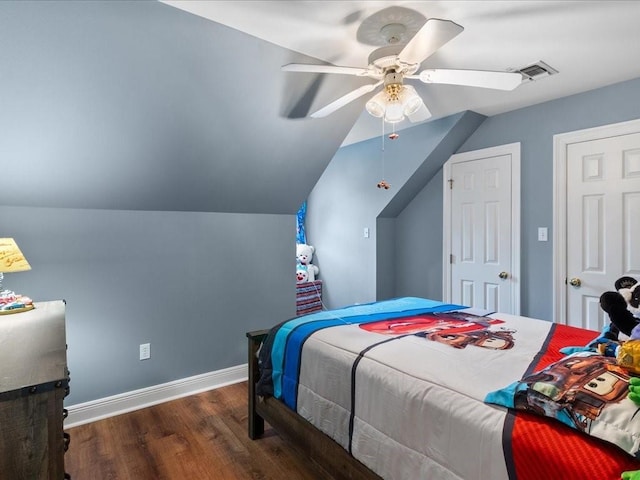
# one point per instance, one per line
(399, 58)
(394, 103)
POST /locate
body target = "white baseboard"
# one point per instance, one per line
(145, 397)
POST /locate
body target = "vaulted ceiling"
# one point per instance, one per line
(144, 106)
(591, 43)
(141, 106)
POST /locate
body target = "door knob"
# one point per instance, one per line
(575, 282)
(503, 275)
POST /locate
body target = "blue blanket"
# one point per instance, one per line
(289, 337)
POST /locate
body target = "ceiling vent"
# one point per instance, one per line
(537, 71)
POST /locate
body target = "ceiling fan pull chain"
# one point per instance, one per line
(382, 148)
(383, 183)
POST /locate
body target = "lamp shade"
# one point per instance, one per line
(411, 101)
(393, 113)
(376, 105)
(11, 258)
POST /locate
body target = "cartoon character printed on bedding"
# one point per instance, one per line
(456, 329)
(492, 339)
(574, 390)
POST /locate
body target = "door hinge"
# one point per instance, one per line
(450, 183)
(451, 258)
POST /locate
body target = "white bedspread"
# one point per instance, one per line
(418, 409)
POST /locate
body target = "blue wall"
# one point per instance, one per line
(418, 241)
(191, 284)
(534, 127)
(115, 117)
(346, 200)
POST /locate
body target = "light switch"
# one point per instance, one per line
(542, 234)
(366, 232)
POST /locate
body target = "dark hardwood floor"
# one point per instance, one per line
(201, 437)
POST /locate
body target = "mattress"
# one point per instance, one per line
(402, 385)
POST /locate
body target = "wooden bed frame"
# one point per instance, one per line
(311, 442)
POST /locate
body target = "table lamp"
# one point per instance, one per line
(12, 260)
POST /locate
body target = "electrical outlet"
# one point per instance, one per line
(145, 351)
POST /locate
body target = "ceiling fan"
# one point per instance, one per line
(390, 65)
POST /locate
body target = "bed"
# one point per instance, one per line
(414, 388)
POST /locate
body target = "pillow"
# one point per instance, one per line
(585, 391)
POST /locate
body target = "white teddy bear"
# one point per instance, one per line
(304, 256)
(302, 275)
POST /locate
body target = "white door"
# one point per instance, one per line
(603, 212)
(481, 233)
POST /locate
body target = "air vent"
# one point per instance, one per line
(537, 70)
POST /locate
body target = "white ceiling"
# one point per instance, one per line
(590, 43)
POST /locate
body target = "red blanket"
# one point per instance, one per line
(532, 437)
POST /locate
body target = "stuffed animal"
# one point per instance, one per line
(628, 356)
(634, 389)
(623, 308)
(304, 257)
(632, 475)
(623, 305)
(302, 275)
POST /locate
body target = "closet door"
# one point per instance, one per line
(483, 232)
(603, 208)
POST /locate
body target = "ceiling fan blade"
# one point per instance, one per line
(421, 114)
(472, 78)
(309, 68)
(342, 101)
(433, 35)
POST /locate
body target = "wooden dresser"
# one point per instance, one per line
(34, 380)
